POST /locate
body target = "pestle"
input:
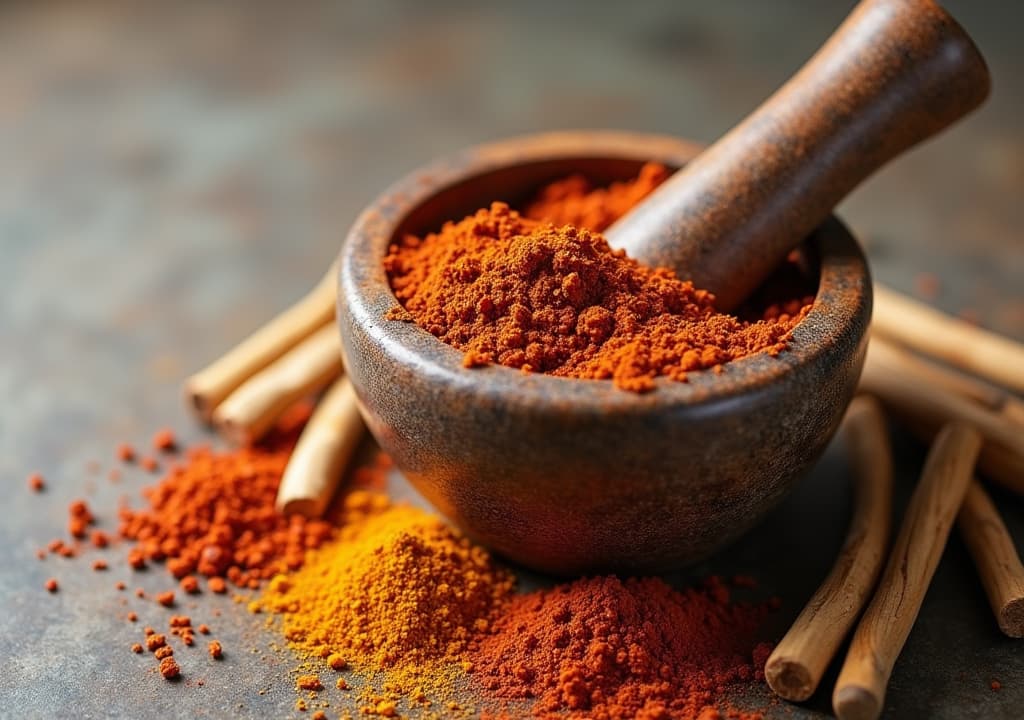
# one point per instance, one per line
(895, 73)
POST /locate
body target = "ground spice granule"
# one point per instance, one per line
(169, 668)
(607, 648)
(308, 682)
(163, 652)
(125, 453)
(397, 591)
(36, 482)
(163, 440)
(215, 649)
(51, 585)
(154, 641)
(507, 289)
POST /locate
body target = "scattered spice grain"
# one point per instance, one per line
(189, 584)
(169, 668)
(133, 616)
(308, 682)
(51, 585)
(154, 641)
(136, 648)
(162, 652)
(36, 482)
(215, 649)
(99, 565)
(164, 440)
(149, 464)
(125, 452)
(166, 598)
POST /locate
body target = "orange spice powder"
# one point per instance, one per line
(526, 294)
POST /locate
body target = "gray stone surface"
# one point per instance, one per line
(172, 174)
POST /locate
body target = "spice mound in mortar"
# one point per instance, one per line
(528, 294)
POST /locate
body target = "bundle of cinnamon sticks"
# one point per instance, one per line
(951, 383)
(292, 357)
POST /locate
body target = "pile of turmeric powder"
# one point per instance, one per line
(529, 294)
(396, 591)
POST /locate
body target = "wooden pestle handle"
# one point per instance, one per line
(895, 73)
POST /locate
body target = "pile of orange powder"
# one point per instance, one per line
(543, 292)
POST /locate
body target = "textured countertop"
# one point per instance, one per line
(173, 174)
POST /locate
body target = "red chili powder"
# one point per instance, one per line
(576, 201)
(606, 648)
(214, 514)
(506, 289)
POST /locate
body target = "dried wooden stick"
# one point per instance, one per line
(1013, 410)
(323, 452)
(795, 667)
(884, 353)
(251, 410)
(994, 555)
(923, 328)
(924, 408)
(210, 386)
(860, 691)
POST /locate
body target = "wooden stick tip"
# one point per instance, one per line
(789, 679)
(307, 507)
(1011, 618)
(197, 402)
(852, 702)
(233, 432)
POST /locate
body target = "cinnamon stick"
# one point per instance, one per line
(927, 330)
(995, 557)
(795, 667)
(324, 450)
(924, 408)
(251, 410)
(860, 691)
(898, 359)
(206, 389)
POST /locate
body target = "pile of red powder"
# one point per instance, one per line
(527, 294)
(609, 649)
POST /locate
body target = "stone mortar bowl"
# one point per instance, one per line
(575, 476)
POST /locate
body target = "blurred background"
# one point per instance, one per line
(219, 150)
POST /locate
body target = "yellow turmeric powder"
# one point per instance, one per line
(396, 591)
